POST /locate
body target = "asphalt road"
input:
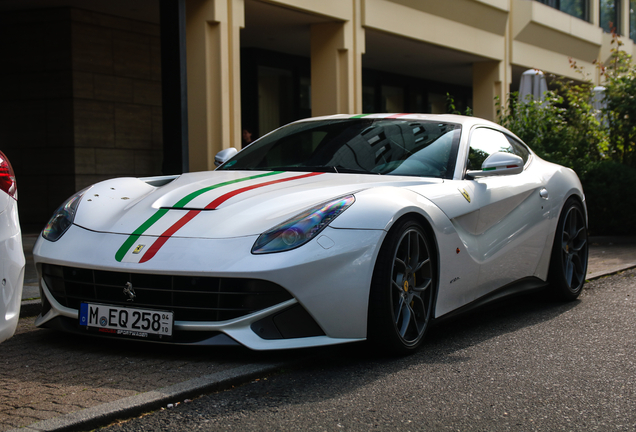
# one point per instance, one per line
(526, 364)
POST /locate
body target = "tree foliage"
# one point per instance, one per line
(561, 128)
(620, 95)
(600, 146)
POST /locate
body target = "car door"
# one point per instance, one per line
(506, 230)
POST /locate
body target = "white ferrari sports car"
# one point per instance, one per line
(11, 253)
(328, 230)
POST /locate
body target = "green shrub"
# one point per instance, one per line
(620, 95)
(560, 128)
(609, 197)
(564, 128)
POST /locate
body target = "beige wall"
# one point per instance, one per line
(85, 99)
(499, 34)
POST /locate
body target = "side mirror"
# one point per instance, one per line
(498, 163)
(224, 156)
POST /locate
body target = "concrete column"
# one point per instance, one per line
(213, 64)
(336, 72)
(489, 81)
(624, 16)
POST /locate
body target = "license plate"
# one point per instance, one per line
(144, 323)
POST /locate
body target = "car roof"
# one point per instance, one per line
(453, 118)
(466, 121)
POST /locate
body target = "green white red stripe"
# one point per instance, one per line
(123, 252)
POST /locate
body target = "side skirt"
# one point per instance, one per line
(522, 286)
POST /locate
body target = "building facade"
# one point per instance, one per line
(104, 88)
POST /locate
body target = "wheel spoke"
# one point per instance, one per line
(424, 286)
(397, 286)
(572, 222)
(414, 249)
(569, 270)
(579, 239)
(400, 262)
(420, 265)
(406, 319)
(398, 311)
(421, 325)
(578, 269)
(413, 322)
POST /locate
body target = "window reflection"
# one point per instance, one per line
(576, 8)
(632, 19)
(610, 15)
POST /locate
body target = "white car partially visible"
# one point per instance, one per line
(11, 254)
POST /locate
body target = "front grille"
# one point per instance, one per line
(191, 298)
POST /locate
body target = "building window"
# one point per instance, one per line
(632, 20)
(610, 15)
(576, 8)
(392, 99)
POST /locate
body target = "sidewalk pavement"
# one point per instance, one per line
(56, 381)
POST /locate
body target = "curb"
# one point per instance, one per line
(30, 308)
(126, 408)
(601, 274)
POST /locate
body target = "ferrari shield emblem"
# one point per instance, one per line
(464, 194)
(138, 249)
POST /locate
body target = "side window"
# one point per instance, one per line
(484, 142)
(519, 149)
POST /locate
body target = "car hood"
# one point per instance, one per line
(218, 204)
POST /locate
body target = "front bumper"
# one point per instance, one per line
(328, 278)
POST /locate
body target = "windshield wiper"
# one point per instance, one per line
(301, 168)
(340, 169)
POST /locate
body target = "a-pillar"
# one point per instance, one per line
(489, 81)
(336, 71)
(213, 62)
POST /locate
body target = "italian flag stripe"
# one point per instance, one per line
(220, 200)
(154, 248)
(132, 239)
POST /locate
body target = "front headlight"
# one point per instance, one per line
(63, 217)
(299, 230)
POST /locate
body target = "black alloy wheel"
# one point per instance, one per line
(402, 289)
(568, 263)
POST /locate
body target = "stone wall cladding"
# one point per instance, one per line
(83, 104)
(117, 95)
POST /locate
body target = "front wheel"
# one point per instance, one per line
(568, 264)
(402, 289)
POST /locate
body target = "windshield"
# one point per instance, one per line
(369, 146)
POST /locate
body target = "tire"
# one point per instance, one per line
(402, 289)
(568, 263)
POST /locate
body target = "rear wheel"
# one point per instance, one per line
(402, 289)
(568, 264)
